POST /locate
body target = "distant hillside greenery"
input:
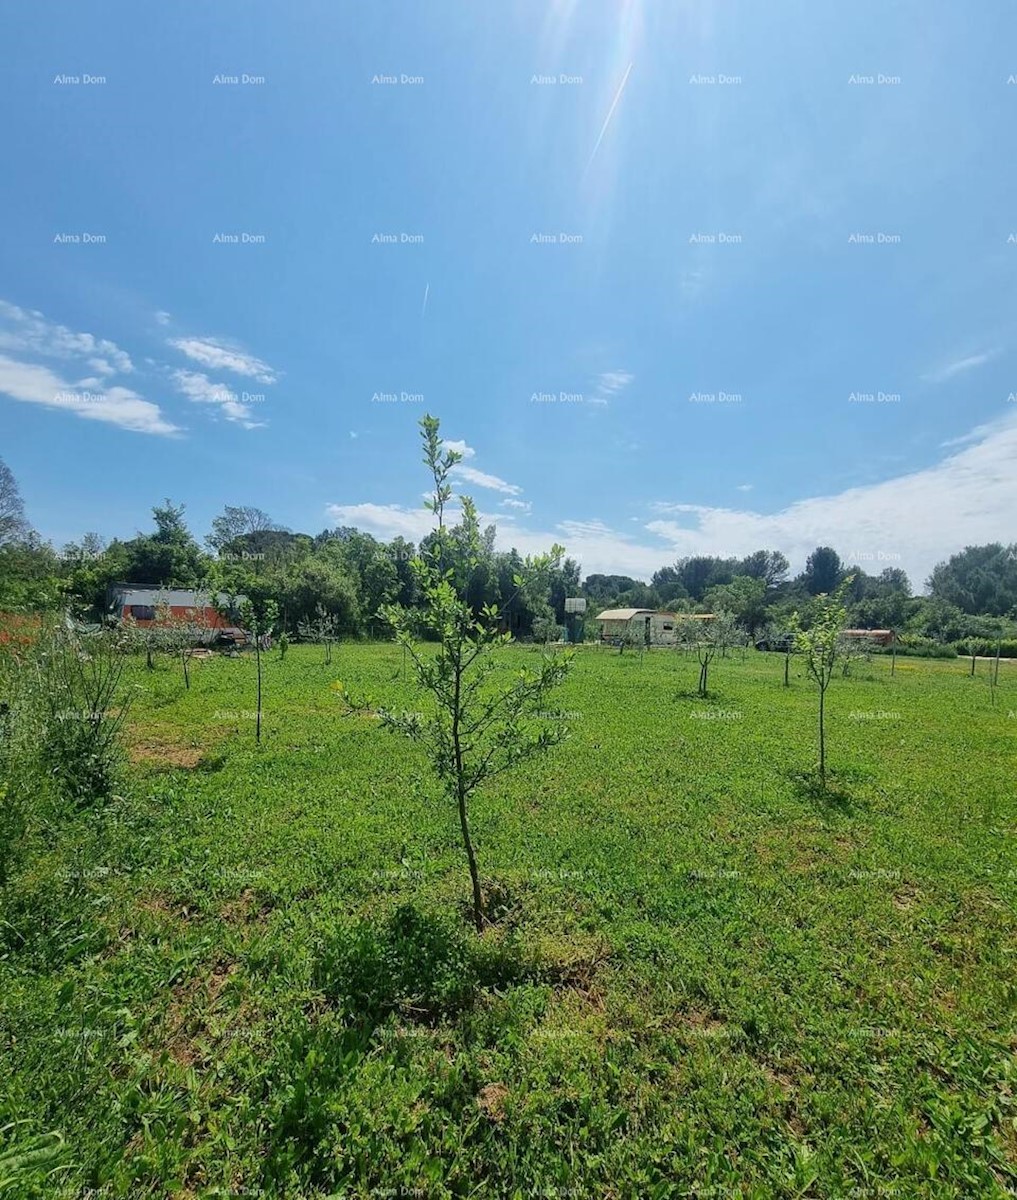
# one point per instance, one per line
(971, 600)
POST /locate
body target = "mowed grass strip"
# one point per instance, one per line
(253, 971)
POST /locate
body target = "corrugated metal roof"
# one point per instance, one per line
(173, 597)
(624, 614)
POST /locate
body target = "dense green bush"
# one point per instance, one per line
(920, 647)
(20, 706)
(986, 648)
(412, 961)
(417, 963)
(80, 747)
(61, 709)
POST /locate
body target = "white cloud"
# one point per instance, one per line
(35, 384)
(472, 475)
(482, 479)
(162, 317)
(30, 333)
(744, 487)
(199, 389)
(912, 521)
(220, 356)
(959, 366)
(609, 384)
(522, 506)
(385, 521)
(923, 517)
(614, 381)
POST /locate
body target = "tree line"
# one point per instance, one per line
(351, 577)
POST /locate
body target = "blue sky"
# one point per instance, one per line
(634, 389)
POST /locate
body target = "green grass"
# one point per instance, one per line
(253, 973)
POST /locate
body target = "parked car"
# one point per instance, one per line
(781, 642)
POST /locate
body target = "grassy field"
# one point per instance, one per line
(253, 975)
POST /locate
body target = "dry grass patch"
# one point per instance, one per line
(164, 753)
(491, 1101)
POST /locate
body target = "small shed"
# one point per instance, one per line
(143, 604)
(875, 637)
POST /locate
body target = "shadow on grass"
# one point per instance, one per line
(426, 967)
(833, 796)
(502, 906)
(711, 696)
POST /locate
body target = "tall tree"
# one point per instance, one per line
(769, 565)
(13, 526)
(703, 571)
(169, 557)
(980, 579)
(241, 523)
(744, 596)
(822, 571)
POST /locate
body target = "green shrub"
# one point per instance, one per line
(80, 748)
(413, 961)
(986, 648)
(421, 965)
(921, 647)
(20, 726)
(12, 827)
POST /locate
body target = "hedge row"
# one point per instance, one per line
(986, 648)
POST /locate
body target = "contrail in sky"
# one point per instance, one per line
(427, 288)
(610, 114)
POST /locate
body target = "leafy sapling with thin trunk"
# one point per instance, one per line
(971, 645)
(820, 647)
(724, 631)
(179, 634)
(259, 621)
(323, 628)
(479, 722)
(698, 637)
(788, 641)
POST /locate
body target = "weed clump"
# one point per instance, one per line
(413, 962)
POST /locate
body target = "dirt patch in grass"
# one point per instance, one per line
(779, 1080)
(166, 754)
(191, 1004)
(491, 1101)
(906, 898)
(246, 909)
